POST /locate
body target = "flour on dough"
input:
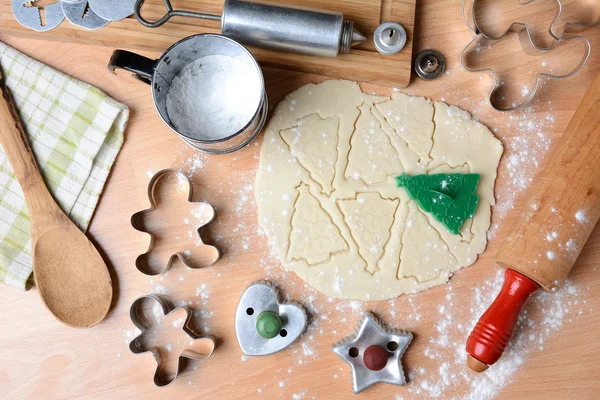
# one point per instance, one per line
(327, 198)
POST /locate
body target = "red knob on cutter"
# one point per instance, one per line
(495, 327)
(375, 358)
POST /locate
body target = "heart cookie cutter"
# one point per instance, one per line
(528, 45)
(137, 347)
(265, 326)
(137, 221)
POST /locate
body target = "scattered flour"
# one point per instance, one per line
(580, 216)
(528, 134)
(541, 319)
(527, 138)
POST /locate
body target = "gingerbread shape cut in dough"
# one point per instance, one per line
(368, 240)
(175, 224)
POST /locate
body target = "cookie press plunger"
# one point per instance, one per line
(558, 217)
(296, 30)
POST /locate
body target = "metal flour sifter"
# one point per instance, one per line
(297, 30)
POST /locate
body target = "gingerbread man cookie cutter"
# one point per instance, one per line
(136, 345)
(588, 17)
(138, 223)
(527, 43)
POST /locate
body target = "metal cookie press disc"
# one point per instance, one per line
(37, 16)
(79, 13)
(429, 64)
(113, 10)
(389, 38)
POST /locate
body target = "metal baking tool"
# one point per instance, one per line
(70, 275)
(528, 45)
(136, 346)
(138, 221)
(160, 74)
(296, 30)
(389, 38)
(39, 15)
(374, 353)
(79, 13)
(265, 326)
(113, 10)
(586, 17)
(429, 64)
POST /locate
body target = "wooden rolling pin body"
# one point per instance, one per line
(564, 205)
(556, 221)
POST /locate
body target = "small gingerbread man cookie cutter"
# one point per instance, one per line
(137, 221)
(136, 346)
(480, 38)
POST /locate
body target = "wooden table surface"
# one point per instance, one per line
(40, 358)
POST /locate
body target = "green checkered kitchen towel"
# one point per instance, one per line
(75, 131)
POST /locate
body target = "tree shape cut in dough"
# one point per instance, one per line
(370, 218)
(412, 120)
(450, 198)
(424, 254)
(314, 143)
(314, 236)
(372, 157)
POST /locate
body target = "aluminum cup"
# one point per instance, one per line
(160, 74)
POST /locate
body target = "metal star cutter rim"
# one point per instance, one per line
(374, 353)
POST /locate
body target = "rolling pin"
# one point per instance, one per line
(561, 210)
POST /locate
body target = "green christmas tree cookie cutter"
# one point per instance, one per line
(449, 198)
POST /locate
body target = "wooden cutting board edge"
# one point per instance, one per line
(365, 65)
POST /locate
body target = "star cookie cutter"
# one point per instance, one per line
(528, 45)
(374, 353)
(137, 347)
(137, 221)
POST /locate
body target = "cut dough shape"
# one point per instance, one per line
(372, 157)
(318, 156)
(412, 119)
(370, 219)
(314, 236)
(424, 253)
(319, 241)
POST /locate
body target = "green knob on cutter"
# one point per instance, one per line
(268, 324)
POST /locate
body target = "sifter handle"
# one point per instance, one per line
(137, 10)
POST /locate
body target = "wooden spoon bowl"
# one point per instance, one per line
(71, 276)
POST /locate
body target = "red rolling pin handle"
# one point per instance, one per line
(495, 327)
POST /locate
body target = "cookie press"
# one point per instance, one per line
(558, 218)
(295, 30)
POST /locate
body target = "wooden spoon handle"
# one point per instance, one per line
(18, 151)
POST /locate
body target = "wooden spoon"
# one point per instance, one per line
(71, 277)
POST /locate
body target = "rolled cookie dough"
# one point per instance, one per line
(327, 198)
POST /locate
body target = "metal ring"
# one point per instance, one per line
(389, 38)
(430, 64)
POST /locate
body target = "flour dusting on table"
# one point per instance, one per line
(527, 139)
